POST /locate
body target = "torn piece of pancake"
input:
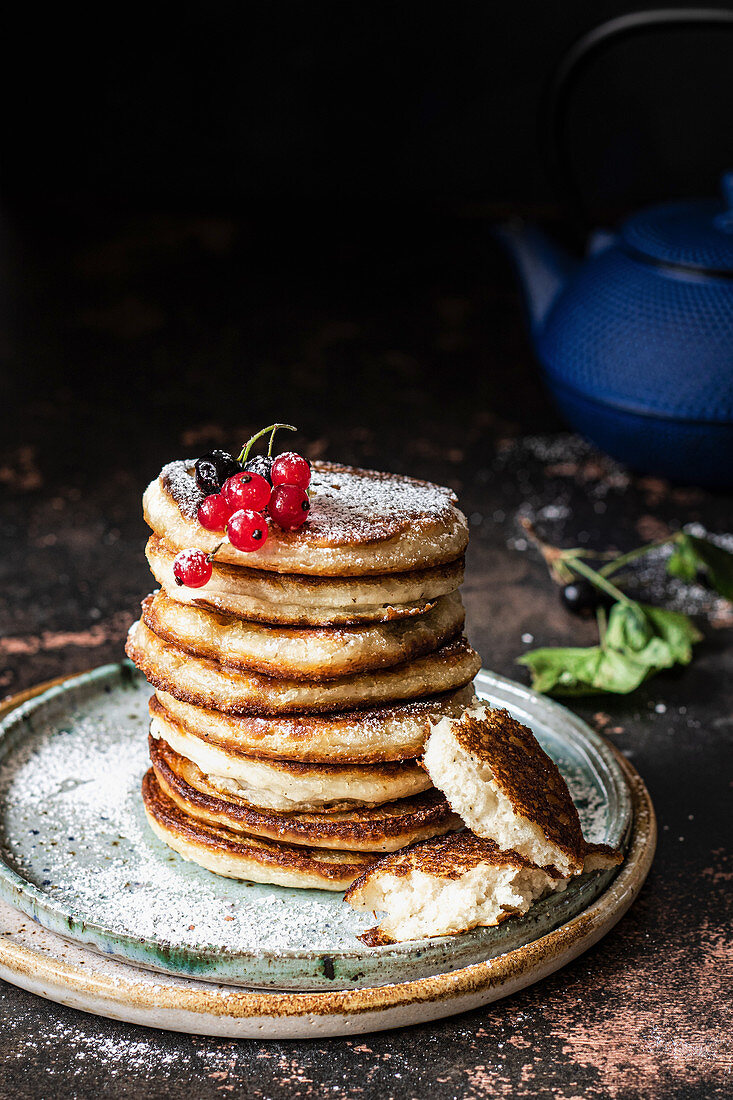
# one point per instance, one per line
(448, 885)
(506, 788)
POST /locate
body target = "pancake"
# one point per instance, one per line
(391, 826)
(301, 652)
(209, 683)
(290, 786)
(496, 775)
(252, 859)
(360, 522)
(448, 885)
(396, 732)
(299, 600)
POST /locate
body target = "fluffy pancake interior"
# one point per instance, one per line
(504, 786)
(449, 885)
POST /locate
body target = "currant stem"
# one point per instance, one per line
(599, 581)
(272, 428)
(210, 556)
(632, 555)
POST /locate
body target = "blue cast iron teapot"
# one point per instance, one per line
(636, 340)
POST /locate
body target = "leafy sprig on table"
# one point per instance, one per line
(635, 640)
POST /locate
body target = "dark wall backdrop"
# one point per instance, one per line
(217, 215)
(228, 213)
(228, 103)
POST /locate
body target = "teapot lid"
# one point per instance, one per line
(694, 234)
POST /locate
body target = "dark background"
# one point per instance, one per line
(212, 217)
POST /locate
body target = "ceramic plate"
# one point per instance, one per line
(66, 972)
(77, 855)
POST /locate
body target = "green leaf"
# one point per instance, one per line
(559, 666)
(628, 627)
(717, 563)
(683, 562)
(676, 629)
(576, 671)
(652, 635)
(639, 641)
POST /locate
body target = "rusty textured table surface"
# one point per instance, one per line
(399, 346)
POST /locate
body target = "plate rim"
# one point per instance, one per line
(203, 1008)
(34, 902)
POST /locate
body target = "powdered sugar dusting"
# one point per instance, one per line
(74, 827)
(348, 505)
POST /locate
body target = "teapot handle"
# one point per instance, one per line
(574, 60)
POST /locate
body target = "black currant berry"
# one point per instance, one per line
(262, 465)
(581, 598)
(213, 469)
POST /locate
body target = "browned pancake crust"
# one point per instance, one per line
(333, 866)
(376, 829)
(355, 506)
(525, 774)
(446, 857)
(455, 656)
(296, 731)
(412, 639)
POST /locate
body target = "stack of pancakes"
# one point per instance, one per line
(295, 690)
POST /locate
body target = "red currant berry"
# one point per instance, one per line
(192, 568)
(291, 469)
(214, 512)
(289, 506)
(246, 490)
(247, 530)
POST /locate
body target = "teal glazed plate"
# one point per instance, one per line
(77, 855)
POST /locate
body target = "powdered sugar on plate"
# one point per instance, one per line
(74, 829)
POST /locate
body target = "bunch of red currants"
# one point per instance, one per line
(239, 500)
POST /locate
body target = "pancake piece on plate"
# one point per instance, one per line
(448, 885)
(500, 781)
(385, 828)
(360, 522)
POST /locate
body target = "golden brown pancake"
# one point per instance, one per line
(213, 684)
(384, 829)
(360, 522)
(506, 788)
(301, 652)
(299, 600)
(288, 785)
(254, 859)
(394, 732)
